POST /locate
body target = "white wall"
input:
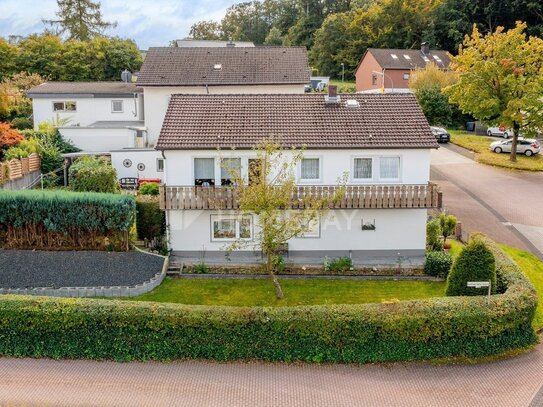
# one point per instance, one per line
(144, 156)
(157, 98)
(340, 230)
(88, 110)
(414, 164)
(91, 139)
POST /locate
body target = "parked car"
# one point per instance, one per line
(499, 131)
(307, 88)
(441, 134)
(527, 146)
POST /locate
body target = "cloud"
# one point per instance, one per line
(148, 22)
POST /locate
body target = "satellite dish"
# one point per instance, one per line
(126, 76)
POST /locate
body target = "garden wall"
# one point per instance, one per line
(410, 330)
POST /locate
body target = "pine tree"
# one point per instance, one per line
(79, 19)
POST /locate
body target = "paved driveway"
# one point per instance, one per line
(509, 383)
(506, 205)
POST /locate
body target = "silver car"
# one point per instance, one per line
(499, 131)
(527, 146)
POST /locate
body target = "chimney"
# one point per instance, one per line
(332, 96)
(425, 48)
(230, 44)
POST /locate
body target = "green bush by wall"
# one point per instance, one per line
(474, 263)
(61, 219)
(93, 174)
(438, 263)
(150, 220)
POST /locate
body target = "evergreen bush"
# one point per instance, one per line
(149, 188)
(438, 264)
(93, 174)
(474, 263)
(150, 219)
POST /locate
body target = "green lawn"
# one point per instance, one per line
(260, 292)
(481, 146)
(533, 269)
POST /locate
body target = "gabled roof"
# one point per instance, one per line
(242, 121)
(171, 66)
(190, 42)
(84, 88)
(417, 59)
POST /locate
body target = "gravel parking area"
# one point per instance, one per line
(29, 269)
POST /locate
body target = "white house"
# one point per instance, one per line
(382, 141)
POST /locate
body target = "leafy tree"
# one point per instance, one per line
(269, 196)
(475, 263)
(14, 104)
(501, 80)
(274, 37)
(206, 30)
(8, 137)
(40, 54)
(447, 224)
(8, 57)
(79, 19)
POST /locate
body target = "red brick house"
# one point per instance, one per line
(390, 68)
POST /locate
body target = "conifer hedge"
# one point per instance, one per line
(408, 330)
(69, 220)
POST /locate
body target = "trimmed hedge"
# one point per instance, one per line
(150, 219)
(61, 219)
(410, 330)
(438, 263)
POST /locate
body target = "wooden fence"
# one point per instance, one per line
(355, 197)
(15, 169)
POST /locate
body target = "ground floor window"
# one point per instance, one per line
(231, 227)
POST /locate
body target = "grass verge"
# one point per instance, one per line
(533, 269)
(481, 146)
(260, 292)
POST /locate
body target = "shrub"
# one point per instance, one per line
(340, 264)
(447, 224)
(150, 219)
(474, 263)
(22, 123)
(149, 188)
(438, 264)
(93, 174)
(59, 219)
(433, 235)
(8, 137)
(23, 149)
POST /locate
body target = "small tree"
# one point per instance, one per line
(433, 234)
(501, 80)
(475, 263)
(93, 174)
(447, 224)
(269, 196)
(8, 137)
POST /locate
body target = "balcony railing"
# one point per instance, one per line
(356, 197)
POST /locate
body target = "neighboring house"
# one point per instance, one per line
(190, 42)
(382, 141)
(204, 70)
(100, 117)
(389, 69)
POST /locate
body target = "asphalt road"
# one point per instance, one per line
(506, 205)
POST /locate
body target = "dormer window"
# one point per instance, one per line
(437, 58)
(394, 56)
(217, 67)
(407, 57)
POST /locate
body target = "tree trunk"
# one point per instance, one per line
(513, 156)
(277, 285)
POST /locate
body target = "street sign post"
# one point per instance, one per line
(481, 284)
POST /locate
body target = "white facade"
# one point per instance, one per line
(88, 109)
(138, 163)
(158, 97)
(100, 139)
(398, 233)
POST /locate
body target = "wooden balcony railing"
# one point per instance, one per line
(356, 197)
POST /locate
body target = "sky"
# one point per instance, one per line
(148, 22)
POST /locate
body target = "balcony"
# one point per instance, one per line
(356, 197)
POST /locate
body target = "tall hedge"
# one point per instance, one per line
(61, 219)
(475, 263)
(409, 330)
(150, 219)
(93, 174)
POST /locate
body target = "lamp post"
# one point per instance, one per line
(384, 75)
(342, 72)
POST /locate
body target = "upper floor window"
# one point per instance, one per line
(117, 106)
(230, 170)
(406, 76)
(362, 169)
(310, 169)
(204, 172)
(160, 165)
(68, 106)
(374, 79)
(389, 168)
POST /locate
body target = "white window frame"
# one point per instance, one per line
(390, 180)
(193, 168)
(310, 181)
(237, 220)
(242, 164)
(64, 105)
(113, 104)
(363, 180)
(158, 165)
(406, 76)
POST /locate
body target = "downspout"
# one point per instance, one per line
(166, 211)
(384, 89)
(207, 89)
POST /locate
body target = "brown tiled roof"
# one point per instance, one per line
(385, 59)
(241, 121)
(112, 88)
(249, 65)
